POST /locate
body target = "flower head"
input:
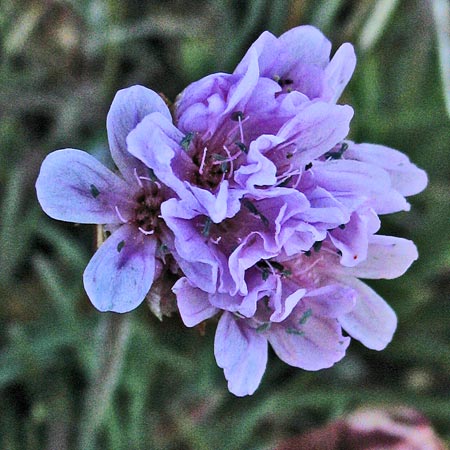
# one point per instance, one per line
(269, 212)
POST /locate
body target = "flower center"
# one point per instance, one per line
(147, 210)
(218, 157)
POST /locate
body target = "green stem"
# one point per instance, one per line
(114, 330)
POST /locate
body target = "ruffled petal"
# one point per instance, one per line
(121, 272)
(195, 258)
(128, 108)
(75, 187)
(388, 257)
(193, 303)
(372, 321)
(353, 241)
(242, 353)
(157, 143)
(313, 345)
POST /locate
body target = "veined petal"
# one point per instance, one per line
(242, 353)
(388, 257)
(128, 108)
(339, 71)
(314, 345)
(405, 176)
(73, 186)
(372, 321)
(330, 301)
(192, 303)
(316, 128)
(121, 272)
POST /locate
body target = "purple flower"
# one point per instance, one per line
(73, 186)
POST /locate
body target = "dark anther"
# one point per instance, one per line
(242, 147)
(285, 182)
(264, 327)
(308, 166)
(94, 190)
(207, 227)
(339, 252)
(186, 141)
(120, 246)
(338, 154)
(317, 246)
(307, 253)
(289, 155)
(237, 115)
(342, 226)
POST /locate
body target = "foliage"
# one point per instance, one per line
(156, 385)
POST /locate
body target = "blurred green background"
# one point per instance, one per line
(71, 377)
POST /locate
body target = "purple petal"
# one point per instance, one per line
(316, 344)
(315, 129)
(405, 176)
(372, 321)
(242, 353)
(121, 272)
(353, 241)
(128, 108)
(195, 258)
(258, 170)
(219, 206)
(193, 303)
(75, 187)
(330, 301)
(388, 257)
(156, 142)
(339, 71)
(285, 306)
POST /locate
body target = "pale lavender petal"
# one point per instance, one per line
(242, 353)
(219, 206)
(73, 186)
(332, 300)
(388, 257)
(286, 305)
(372, 321)
(128, 108)
(405, 176)
(193, 303)
(315, 129)
(240, 91)
(258, 170)
(353, 241)
(121, 272)
(339, 71)
(195, 258)
(313, 345)
(307, 44)
(157, 143)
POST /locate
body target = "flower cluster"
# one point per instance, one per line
(251, 196)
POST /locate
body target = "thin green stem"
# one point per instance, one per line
(114, 330)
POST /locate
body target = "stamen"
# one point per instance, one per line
(121, 218)
(216, 241)
(310, 267)
(241, 131)
(147, 233)
(202, 164)
(137, 177)
(230, 159)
